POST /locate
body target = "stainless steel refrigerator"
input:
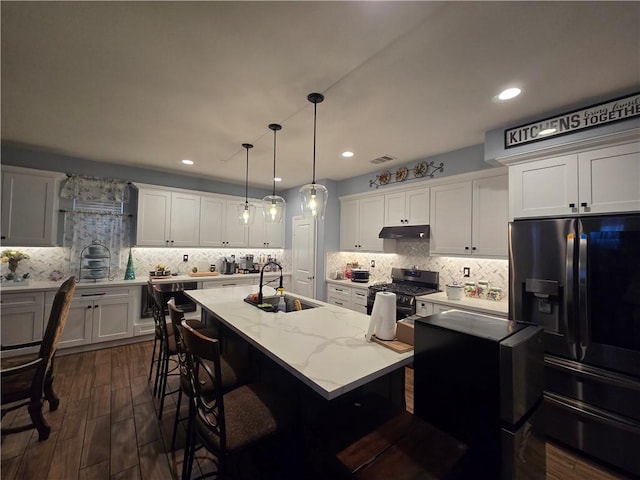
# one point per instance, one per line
(480, 379)
(579, 278)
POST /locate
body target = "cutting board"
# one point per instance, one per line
(395, 345)
(203, 274)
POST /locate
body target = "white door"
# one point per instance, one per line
(304, 256)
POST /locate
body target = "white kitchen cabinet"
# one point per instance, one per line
(410, 207)
(470, 217)
(359, 299)
(231, 282)
(22, 319)
(353, 298)
(263, 234)
(339, 295)
(29, 206)
(360, 223)
(219, 225)
(603, 180)
(167, 218)
(97, 315)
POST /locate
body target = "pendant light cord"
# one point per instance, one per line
(315, 113)
(246, 176)
(274, 162)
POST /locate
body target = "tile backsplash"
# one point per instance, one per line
(416, 253)
(45, 260)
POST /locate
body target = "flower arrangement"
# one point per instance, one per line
(13, 257)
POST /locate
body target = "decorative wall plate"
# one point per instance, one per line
(401, 174)
(420, 169)
(384, 177)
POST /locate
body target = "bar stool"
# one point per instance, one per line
(227, 423)
(234, 374)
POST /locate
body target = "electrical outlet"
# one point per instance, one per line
(466, 272)
(185, 258)
(373, 264)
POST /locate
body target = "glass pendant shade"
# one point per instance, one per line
(273, 205)
(314, 196)
(246, 211)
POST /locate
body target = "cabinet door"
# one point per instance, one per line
(185, 220)
(77, 330)
(490, 212)
(394, 209)
(154, 218)
(32, 197)
(22, 319)
(349, 224)
(544, 188)
(451, 219)
(417, 206)
(257, 230)
(359, 300)
(610, 179)
(371, 221)
(112, 319)
(236, 234)
(212, 221)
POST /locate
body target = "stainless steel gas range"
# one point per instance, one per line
(407, 284)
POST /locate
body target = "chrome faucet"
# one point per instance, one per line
(270, 262)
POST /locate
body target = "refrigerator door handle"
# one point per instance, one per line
(569, 330)
(583, 308)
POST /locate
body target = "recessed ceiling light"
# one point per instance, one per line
(277, 179)
(547, 131)
(187, 162)
(509, 93)
(347, 154)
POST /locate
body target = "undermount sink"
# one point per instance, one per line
(270, 304)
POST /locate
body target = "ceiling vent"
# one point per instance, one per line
(383, 159)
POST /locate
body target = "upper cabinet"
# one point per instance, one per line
(410, 207)
(168, 218)
(31, 195)
(470, 217)
(219, 225)
(604, 180)
(263, 234)
(360, 223)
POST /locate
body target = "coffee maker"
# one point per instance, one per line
(228, 265)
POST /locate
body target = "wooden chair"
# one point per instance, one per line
(26, 383)
(227, 423)
(156, 353)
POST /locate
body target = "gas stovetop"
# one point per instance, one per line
(408, 282)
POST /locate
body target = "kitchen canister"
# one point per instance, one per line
(383, 317)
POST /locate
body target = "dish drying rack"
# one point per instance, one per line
(95, 262)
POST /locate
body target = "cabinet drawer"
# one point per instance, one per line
(339, 301)
(340, 292)
(22, 299)
(359, 297)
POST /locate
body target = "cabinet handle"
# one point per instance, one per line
(473, 248)
(338, 303)
(583, 204)
(96, 306)
(466, 248)
(166, 242)
(89, 307)
(171, 242)
(3, 237)
(572, 205)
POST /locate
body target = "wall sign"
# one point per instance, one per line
(590, 117)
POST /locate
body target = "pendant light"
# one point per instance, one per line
(245, 210)
(314, 196)
(273, 205)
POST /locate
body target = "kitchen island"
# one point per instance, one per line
(323, 347)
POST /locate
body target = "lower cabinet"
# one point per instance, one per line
(353, 298)
(97, 315)
(22, 319)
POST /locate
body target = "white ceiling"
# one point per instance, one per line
(150, 83)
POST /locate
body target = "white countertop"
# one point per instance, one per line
(348, 283)
(491, 307)
(37, 285)
(323, 347)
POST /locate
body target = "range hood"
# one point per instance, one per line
(409, 231)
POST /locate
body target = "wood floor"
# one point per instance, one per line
(106, 427)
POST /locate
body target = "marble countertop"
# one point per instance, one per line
(491, 307)
(45, 285)
(348, 283)
(324, 347)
